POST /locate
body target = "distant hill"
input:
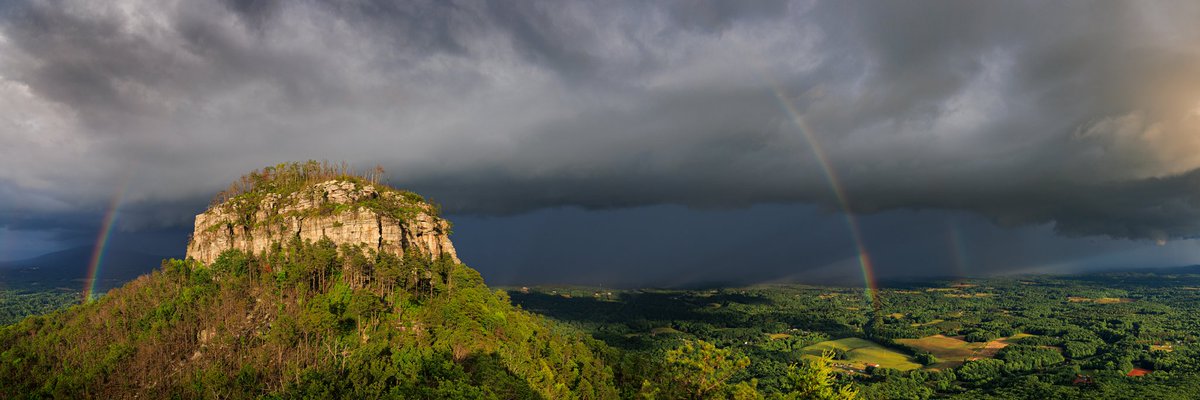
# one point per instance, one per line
(68, 268)
(1183, 270)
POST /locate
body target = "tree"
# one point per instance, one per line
(814, 380)
(233, 262)
(1021, 357)
(981, 370)
(926, 358)
(696, 370)
(1075, 349)
(980, 335)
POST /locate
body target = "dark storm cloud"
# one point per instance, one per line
(678, 246)
(1080, 115)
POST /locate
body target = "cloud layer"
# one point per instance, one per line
(1080, 115)
(674, 245)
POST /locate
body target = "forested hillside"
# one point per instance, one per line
(301, 321)
(16, 304)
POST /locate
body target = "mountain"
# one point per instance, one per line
(345, 211)
(69, 268)
(304, 281)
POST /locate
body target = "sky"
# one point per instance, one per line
(630, 142)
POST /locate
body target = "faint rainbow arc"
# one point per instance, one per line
(106, 225)
(958, 250)
(839, 193)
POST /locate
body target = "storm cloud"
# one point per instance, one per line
(1081, 116)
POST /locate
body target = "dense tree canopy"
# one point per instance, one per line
(302, 320)
(1004, 338)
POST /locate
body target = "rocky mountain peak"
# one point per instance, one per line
(274, 207)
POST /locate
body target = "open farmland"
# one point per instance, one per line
(861, 352)
(950, 351)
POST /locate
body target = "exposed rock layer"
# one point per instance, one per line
(333, 209)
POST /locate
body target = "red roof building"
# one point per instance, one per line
(1138, 372)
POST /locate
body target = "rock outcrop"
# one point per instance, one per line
(346, 212)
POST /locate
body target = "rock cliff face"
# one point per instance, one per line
(345, 212)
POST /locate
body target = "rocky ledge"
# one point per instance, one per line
(346, 212)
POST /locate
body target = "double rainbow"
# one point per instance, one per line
(958, 250)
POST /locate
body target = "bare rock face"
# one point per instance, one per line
(345, 212)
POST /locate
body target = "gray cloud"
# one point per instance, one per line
(1079, 115)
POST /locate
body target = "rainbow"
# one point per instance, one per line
(3, 244)
(864, 259)
(958, 251)
(110, 215)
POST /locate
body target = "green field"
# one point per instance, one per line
(950, 351)
(1013, 338)
(953, 351)
(931, 322)
(862, 352)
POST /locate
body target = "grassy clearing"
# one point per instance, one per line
(931, 322)
(968, 295)
(950, 351)
(953, 351)
(1162, 347)
(862, 352)
(990, 349)
(1100, 300)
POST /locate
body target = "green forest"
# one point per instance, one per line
(16, 304)
(1120, 335)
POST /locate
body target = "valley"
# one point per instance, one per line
(1003, 338)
